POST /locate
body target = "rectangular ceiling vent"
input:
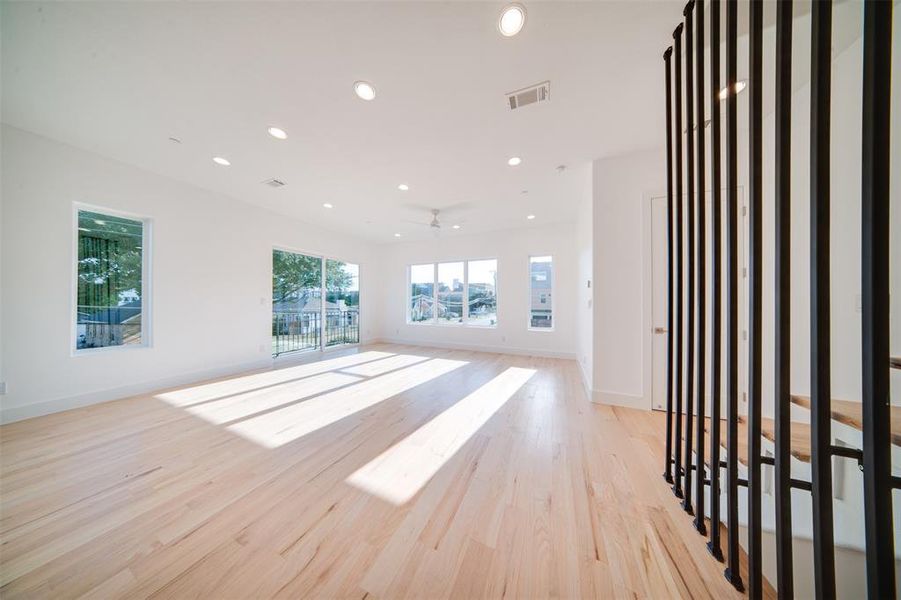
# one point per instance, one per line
(274, 183)
(534, 94)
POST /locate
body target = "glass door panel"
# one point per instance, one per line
(342, 306)
(296, 302)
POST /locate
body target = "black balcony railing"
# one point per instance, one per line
(295, 331)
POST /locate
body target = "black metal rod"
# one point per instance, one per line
(677, 66)
(820, 351)
(716, 283)
(877, 458)
(733, 574)
(701, 343)
(755, 282)
(689, 170)
(800, 484)
(668, 471)
(782, 370)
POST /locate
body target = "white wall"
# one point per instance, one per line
(211, 277)
(585, 285)
(622, 189)
(512, 249)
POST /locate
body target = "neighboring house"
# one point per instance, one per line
(303, 314)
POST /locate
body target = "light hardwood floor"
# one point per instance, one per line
(388, 471)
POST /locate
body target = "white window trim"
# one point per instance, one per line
(323, 257)
(434, 320)
(553, 293)
(146, 282)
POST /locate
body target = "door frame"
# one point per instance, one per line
(648, 298)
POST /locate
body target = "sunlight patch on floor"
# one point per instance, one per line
(239, 406)
(371, 369)
(292, 422)
(401, 471)
(237, 385)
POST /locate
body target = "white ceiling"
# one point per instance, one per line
(121, 78)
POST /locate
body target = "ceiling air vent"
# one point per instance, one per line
(540, 92)
(274, 183)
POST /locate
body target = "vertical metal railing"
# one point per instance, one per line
(732, 572)
(680, 293)
(782, 355)
(877, 458)
(820, 352)
(689, 176)
(715, 282)
(668, 467)
(687, 292)
(755, 296)
(701, 211)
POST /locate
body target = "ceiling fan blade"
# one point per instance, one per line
(456, 207)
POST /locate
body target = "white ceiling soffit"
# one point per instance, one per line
(122, 78)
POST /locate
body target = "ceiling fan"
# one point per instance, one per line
(435, 223)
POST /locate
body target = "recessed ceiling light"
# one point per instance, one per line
(221, 161)
(396, 235)
(456, 227)
(512, 19)
(403, 187)
(328, 205)
(514, 161)
(279, 134)
(530, 217)
(740, 85)
(364, 90)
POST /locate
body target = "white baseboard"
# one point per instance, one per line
(617, 399)
(478, 348)
(38, 409)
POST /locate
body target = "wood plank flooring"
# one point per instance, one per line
(388, 472)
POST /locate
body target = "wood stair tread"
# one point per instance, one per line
(800, 436)
(851, 413)
(742, 442)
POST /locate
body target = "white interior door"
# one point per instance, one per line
(659, 285)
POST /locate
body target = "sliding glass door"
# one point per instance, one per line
(342, 307)
(296, 302)
(303, 318)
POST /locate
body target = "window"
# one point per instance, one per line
(450, 293)
(454, 293)
(482, 292)
(110, 294)
(298, 310)
(422, 292)
(342, 307)
(541, 284)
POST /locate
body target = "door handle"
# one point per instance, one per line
(659, 330)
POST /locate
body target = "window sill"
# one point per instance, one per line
(541, 329)
(104, 349)
(449, 325)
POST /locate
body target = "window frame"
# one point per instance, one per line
(323, 270)
(434, 320)
(146, 280)
(553, 290)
